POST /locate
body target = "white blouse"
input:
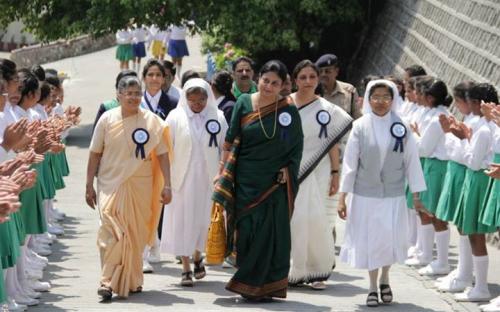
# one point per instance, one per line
(123, 36)
(431, 143)
(478, 152)
(177, 32)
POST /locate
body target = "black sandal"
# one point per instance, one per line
(105, 292)
(385, 293)
(372, 300)
(199, 269)
(187, 279)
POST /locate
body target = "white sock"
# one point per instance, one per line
(179, 71)
(419, 236)
(145, 254)
(481, 272)
(412, 227)
(427, 241)
(464, 259)
(442, 246)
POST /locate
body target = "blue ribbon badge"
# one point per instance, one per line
(285, 120)
(323, 118)
(213, 127)
(140, 136)
(398, 131)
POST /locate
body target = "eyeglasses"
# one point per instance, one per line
(380, 99)
(132, 94)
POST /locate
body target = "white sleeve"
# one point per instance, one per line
(223, 131)
(171, 124)
(350, 162)
(430, 138)
(414, 173)
(476, 150)
(4, 155)
(454, 148)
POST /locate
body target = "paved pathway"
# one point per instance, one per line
(74, 266)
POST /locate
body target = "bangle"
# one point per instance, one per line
(332, 172)
(167, 187)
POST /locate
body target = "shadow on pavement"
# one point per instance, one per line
(155, 298)
(274, 305)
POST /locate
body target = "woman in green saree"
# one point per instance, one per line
(258, 183)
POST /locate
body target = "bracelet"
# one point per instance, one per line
(332, 172)
(167, 187)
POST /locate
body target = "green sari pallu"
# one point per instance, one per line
(259, 208)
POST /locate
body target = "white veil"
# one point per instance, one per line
(396, 102)
(197, 82)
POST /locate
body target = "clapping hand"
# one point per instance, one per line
(461, 131)
(445, 123)
(493, 171)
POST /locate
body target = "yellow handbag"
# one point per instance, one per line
(216, 241)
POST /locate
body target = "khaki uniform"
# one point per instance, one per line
(345, 96)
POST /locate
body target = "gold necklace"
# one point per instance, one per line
(275, 121)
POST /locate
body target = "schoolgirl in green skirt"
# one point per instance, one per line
(478, 154)
(431, 141)
(491, 211)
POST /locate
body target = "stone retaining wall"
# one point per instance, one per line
(46, 53)
(455, 40)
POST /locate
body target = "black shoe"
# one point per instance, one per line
(105, 292)
(372, 300)
(385, 293)
(187, 279)
(199, 269)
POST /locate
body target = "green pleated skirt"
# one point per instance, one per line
(434, 174)
(32, 210)
(452, 188)
(48, 188)
(409, 194)
(471, 203)
(124, 52)
(3, 294)
(491, 212)
(56, 170)
(9, 243)
(64, 162)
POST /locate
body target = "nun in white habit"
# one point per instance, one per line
(380, 156)
(197, 132)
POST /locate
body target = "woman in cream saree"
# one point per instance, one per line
(128, 153)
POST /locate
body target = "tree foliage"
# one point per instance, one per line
(255, 24)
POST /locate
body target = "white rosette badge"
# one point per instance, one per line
(213, 128)
(285, 120)
(140, 136)
(398, 131)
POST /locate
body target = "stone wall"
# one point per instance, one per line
(455, 40)
(46, 53)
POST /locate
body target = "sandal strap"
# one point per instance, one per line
(197, 264)
(372, 296)
(385, 289)
(187, 274)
